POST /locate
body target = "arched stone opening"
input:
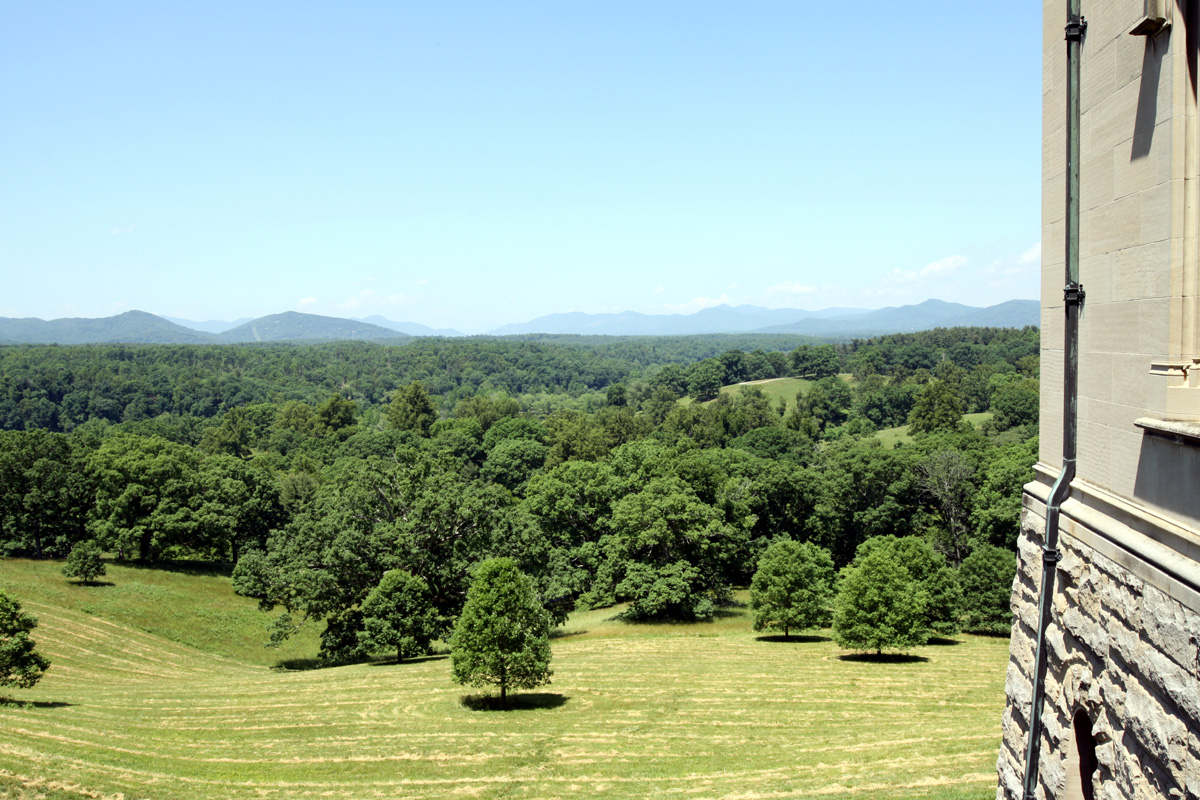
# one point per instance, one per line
(1081, 760)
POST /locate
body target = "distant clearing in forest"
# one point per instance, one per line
(700, 710)
(776, 389)
(891, 436)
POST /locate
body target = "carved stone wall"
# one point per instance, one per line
(1121, 650)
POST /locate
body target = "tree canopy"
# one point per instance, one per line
(502, 637)
(399, 614)
(320, 469)
(792, 588)
(879, 606)
(85, 562)
(20, 663)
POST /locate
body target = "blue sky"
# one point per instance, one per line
(471, 164)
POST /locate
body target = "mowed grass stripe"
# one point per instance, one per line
(658, 711)
(815, 774)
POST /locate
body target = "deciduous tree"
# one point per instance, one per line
(20, 663)
(398, 614)
(879, 606)
(502, 637)
(792, 588)
(411, 409)
(84, 562)
(937, 408)
(987, 579)
(146, 494)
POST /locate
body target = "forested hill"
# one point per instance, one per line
(59, 387)
(132, 326)
(292, 325)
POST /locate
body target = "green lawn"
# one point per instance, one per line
(694, 711)
(776, 389)
(891, 436)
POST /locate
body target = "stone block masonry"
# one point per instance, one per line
(1120, 650)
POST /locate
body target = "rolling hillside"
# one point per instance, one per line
(703, 710)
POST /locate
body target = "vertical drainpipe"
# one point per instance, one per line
(1072, 302)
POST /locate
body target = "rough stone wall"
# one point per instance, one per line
(1121, 650)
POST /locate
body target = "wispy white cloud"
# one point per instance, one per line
(1031, 256)
(305, 302)
(944, 266)
(937, 269)
(122, 230)
(1025, 263)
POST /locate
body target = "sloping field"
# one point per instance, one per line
(891, 436)
(776, 388)
(697, 711)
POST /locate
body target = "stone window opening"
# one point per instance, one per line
(1181, 368)
(1081, 760)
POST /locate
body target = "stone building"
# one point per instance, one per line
(1106, 669)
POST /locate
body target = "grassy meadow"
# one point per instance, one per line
(160, 688)
(893, 436)
(775, 388)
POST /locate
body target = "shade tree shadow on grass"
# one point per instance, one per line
(795, 638)
(526, 701)
(884, 658)
(8, 702)
(663, 622)
(561, 634)
(391, 662)
(304, 664)
(300, 664)
(92, 584)
(938, 641)
(219, 569)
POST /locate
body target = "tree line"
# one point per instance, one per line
(58, 388)
(635, 492)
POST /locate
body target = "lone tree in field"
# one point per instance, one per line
(20, 664)
(792, 588)
(398, 614)
(502, 637)
(84, 562)
(879, 606)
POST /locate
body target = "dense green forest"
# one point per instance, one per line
(610, 469)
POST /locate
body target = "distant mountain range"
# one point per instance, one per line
(140, 327)
(832, 322)
(410, 328)
(208, 325)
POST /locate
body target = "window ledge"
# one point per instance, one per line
(1175, 430)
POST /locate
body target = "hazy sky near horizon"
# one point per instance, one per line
(470, 164)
